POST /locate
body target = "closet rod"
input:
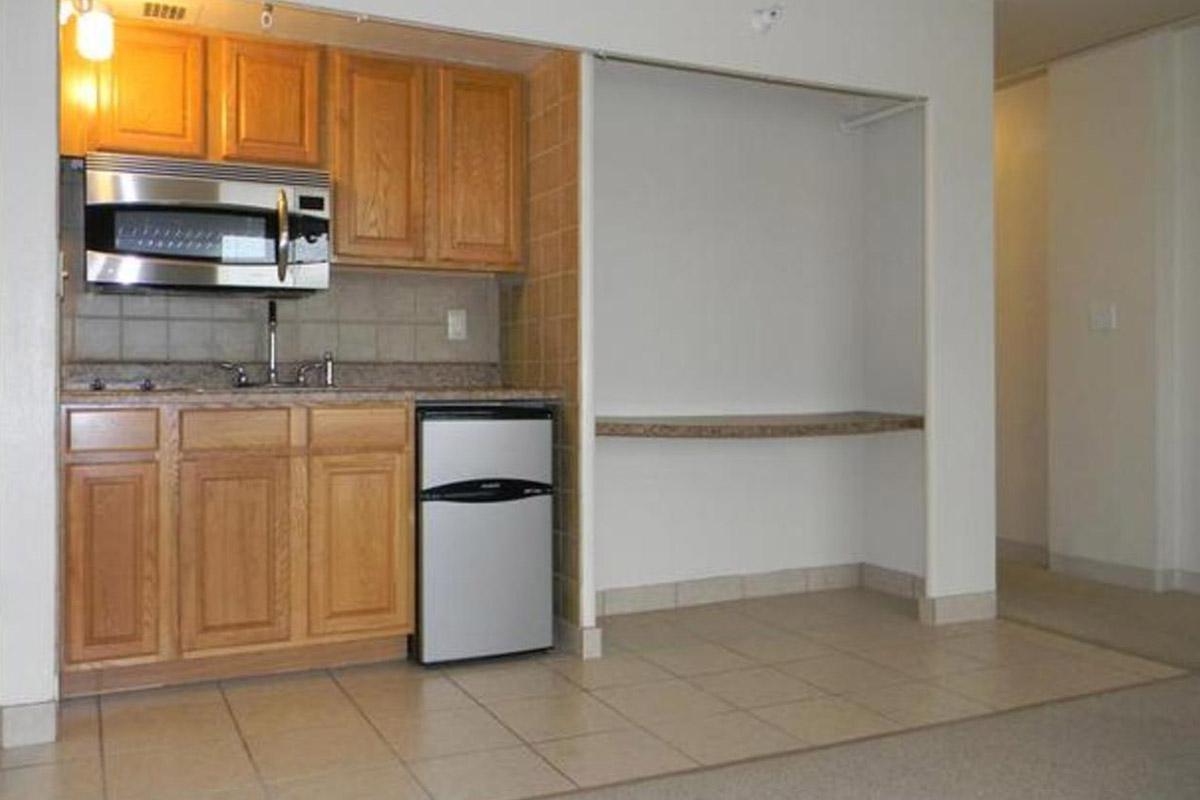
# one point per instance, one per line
(854, 123)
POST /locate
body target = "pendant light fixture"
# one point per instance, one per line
(93, 28)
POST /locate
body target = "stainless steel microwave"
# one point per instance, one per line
(175, 223)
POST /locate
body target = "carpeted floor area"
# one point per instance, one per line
(1134, 743)
(1163, 627)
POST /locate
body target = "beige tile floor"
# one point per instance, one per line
(676, 690)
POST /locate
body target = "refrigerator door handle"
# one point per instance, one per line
(486, 490)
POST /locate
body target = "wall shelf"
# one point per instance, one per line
(770, 426)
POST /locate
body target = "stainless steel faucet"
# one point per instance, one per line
(325, 365)
(272, 357)
(240, 378)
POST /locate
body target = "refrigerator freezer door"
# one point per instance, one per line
(486, 578)
(454, 450)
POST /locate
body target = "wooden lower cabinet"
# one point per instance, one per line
(233, 551)
(112, 561)
(208, 542)
(360, 543)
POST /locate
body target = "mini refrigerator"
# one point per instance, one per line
(485, 531)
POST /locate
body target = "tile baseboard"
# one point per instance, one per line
(571, 638)
(957, 608)
(726, 588)
(1185, 581)
(1143, 578)
(35, 723)
(1022, 552)
(893, 582)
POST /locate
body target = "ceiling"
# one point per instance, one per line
(1030, 33)
(342, 30)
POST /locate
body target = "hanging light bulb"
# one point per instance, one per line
(94, 32)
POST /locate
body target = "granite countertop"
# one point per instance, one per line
(771, 426)
(262, 396)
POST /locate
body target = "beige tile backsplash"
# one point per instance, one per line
(365, 316)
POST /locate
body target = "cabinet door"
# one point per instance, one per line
(152, 93)
(269, 101)
(112, 561)
(233, 551)
(77, 93)
(360, 543)
(378, 157)
(480, 166)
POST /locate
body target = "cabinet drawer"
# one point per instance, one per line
(260, 428)
(132, 429)
(384, 428)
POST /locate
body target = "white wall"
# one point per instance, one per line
(940, 49)
(1021, 343)
(1186, 171)
(753, 257)
(728, 246)
(28, 347)
(893, 290)
(676, 510)
(1104, 210)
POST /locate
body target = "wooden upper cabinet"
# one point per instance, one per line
(77, 94)
(378, 157)
(360, 543)
(112, 561)
(269, 101)
(233, 551)
(151, 97)
(481, 152)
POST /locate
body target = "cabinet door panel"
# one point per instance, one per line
(360, 545)
(270, 101)
(112, 566)
(378, 157)
(152, 93)
(233, 552)
(480, 166)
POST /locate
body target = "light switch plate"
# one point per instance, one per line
(1102, 316)
(456, 324)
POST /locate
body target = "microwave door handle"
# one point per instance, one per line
(281, 250)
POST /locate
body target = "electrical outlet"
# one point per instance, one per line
(456, 324)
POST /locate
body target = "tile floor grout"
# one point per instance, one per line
(525, 742)
(237, 726)
(845, 623)
(387, 742)
(100, 748)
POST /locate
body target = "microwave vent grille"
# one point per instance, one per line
(205, 170)
(170, 12)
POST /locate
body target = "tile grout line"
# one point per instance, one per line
(528, 744)
(100, 745)
(386, 741)
(241, 736)
(637, 726)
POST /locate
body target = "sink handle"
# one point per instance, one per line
(239, 373)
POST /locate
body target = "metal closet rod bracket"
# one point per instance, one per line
(854, 123)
